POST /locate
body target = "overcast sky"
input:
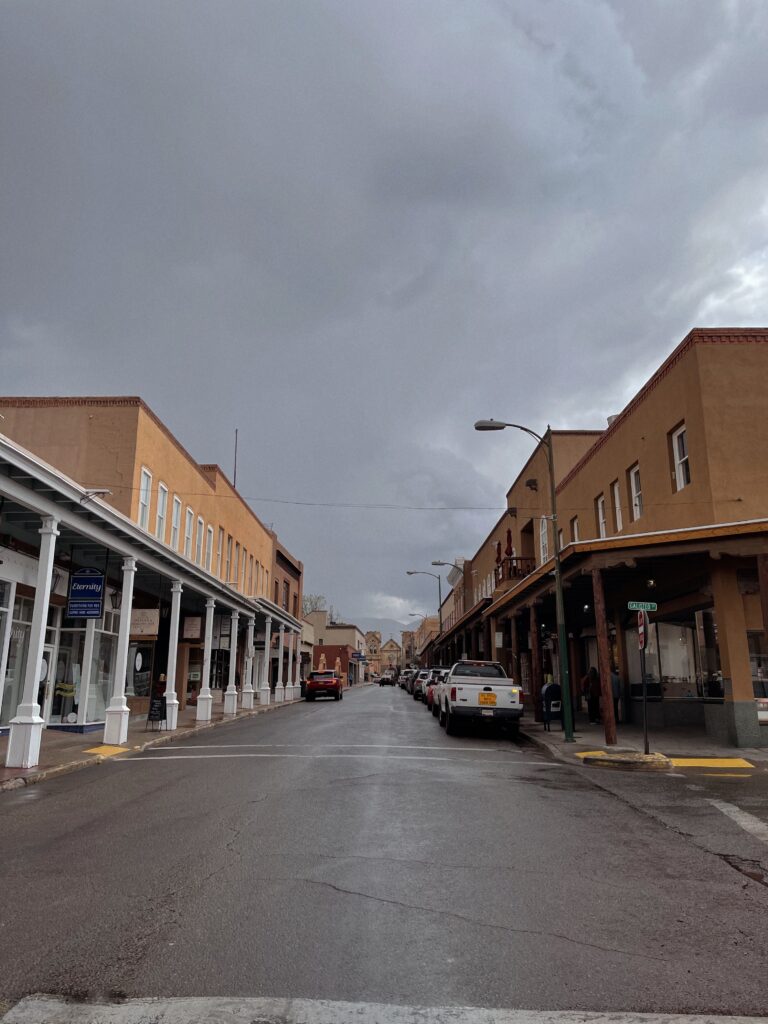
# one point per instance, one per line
(352, 228)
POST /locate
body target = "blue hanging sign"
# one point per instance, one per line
(85, 599)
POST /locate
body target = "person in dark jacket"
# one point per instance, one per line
(551, 694)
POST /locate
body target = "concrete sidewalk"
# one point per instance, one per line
(673, 743)
(63, 752)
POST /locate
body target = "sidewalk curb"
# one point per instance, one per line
(625, 760)
(157, 741)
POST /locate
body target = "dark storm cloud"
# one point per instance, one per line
(351, 228)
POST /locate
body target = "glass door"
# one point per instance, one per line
(44, 688)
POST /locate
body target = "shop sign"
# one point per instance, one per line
(193, 625)
(145, 621)
(85, 596)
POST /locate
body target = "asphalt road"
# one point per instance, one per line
(353, 851)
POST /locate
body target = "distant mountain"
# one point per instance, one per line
(387, 627)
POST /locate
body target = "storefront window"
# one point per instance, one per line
(677, 660)
(102, 676)
(682, 660)
(17, 658)
(758, 658)
(68, 681)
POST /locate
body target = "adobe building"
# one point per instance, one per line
(342, 635)
(668, 504)
(98, 497)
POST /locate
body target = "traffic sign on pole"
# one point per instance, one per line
(642, 630)
(642, 606)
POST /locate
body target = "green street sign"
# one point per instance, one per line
(642, 606)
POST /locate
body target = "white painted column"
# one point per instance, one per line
(171, 700)
(297, 677)
(85, 672)
(264, 690)
(279, 691)
(289, 677)
(116, 727)
(205, 697)
(247, 701)
(27, 727)
(230, 697)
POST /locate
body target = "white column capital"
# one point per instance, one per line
(251, 621)
(282, 629)
(176, 587)
(235, 616)
(50, 525)
(129, 565)
(210, 603)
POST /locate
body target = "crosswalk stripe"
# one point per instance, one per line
(205, 1010)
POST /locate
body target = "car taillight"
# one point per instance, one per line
(453, 693)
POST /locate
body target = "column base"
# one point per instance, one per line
(24, 741)
(204, 705)
(230, 703)
(247, 700)
(171, 713)
(116, 728)
(264, 695)
(278, 694)
(735, 724)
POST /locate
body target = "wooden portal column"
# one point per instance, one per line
(604, 657)
(762, 575)
(514, 648)
(536, 667)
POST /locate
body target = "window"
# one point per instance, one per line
(199, 541)
(189, 519)
(636, 491)
(295, 606)
(145, 490)
(208, 548)
(680, 457)
(219, 549)
(617, 520)
(286, 595)
(575, 529)
(245, 571)
(175, 522)
(162, 511)
(236, 573)
(250, 574)
(560, 540)
(277, 592)
(602, 526)
(543, 540)
(228, 566)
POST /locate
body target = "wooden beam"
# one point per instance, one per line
(604, 657)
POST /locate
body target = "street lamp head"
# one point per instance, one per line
(439, 563)
(489, 425)
(410, 572)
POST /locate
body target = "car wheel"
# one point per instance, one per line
(310, 696)
(341, 695)
(337, 696)
(441, 716)
(435, 709)
(514, 731)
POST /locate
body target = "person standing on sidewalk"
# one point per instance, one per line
(616, 692)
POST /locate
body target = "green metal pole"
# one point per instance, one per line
(562, 637)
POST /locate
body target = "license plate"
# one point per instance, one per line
(488, 713)
(487, 699)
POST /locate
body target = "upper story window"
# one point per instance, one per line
(236, 568)
(286, 594)
(560, 540)
(219, 551)
(189, 520)
(277, 592)
(616, 495)
(199, 540)
(228, 565)
(680, 458)
(635, 491)
(175, 522)
(575, 529)
(602, 525)
(543, 540)
(245, 571)
(208, 548)
(250, 574)
(162, 511)
(295, 606)
(145, 491)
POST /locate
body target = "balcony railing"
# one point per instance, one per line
(513, 569)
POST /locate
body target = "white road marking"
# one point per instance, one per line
(755, 826)
(203, 1010)
(157, 756)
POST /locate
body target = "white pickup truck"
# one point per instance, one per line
(479, 691)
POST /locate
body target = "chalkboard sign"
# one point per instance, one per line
(157, 710)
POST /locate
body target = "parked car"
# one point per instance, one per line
(324, 684)
(387, 679)
(479, 691)
(420, 684)
(438, 674)
(407, 677)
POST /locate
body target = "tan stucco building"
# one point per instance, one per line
(668, 504)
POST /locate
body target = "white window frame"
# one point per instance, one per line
(602, 522)
(208, 548)
(161, 513)
(145, 497)
(560, 540)
(219, 551)
(176, 522)
(636, 491)
(250, 574)
(199, 540)
(575, 529)
(682, 463)
(616, 492)
(236, 565)
(544, 539)
(189, 527)
(228, 562)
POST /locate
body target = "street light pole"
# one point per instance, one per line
(434, 575)
(562, 636)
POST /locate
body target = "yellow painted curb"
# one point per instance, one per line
(711, 762)
(106, 750)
